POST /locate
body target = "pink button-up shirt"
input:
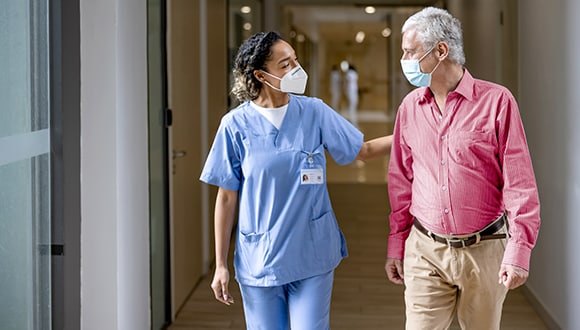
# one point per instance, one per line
(459, 169)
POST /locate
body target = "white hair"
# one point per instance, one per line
(434, 25)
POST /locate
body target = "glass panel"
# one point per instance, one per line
(15, 68)
(244, 19)
(25, 169)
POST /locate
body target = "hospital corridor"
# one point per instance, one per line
(108, 111)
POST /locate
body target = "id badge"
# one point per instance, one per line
(311, 176)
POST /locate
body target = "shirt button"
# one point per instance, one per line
(443, 137)
(443, 187)
(442, 161)
(446, 211)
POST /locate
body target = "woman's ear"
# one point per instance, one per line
(259, 75)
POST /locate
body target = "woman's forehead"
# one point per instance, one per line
(281, 50)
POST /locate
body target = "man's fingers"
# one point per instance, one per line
(512, 277)
(394, 270)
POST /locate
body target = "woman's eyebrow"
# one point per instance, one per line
(284, 59)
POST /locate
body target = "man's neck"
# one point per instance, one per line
(447, 83)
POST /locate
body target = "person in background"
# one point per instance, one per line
(268, 160)
(335, 87)
(465, 206)
(351, 90)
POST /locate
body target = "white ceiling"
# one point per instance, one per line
(338, 25)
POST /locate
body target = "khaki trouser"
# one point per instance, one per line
(441, 281)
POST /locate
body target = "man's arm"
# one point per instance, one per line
(520, 195)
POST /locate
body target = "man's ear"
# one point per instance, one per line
(442, 50)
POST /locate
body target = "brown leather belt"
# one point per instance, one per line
(466, 240)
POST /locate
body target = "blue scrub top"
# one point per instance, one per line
(287, 230)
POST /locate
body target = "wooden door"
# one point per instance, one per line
(183, 48)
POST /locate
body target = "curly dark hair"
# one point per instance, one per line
(252, 55)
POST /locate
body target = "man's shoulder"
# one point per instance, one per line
(416, 95)
(490, 86)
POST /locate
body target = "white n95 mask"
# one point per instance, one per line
(292, 82)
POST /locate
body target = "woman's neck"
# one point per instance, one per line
(272, 99)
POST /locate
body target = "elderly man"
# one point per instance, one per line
(465, 208)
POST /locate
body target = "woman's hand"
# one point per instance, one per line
(220, 284)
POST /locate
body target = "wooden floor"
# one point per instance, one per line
(363, 298)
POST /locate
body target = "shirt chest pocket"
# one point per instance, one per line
(473, 149)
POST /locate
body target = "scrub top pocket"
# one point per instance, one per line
(255, 252)
(327, 239)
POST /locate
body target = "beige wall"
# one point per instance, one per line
(491, 52)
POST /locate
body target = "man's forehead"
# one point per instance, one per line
(410, 41)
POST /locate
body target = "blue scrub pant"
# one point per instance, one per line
(299, 305)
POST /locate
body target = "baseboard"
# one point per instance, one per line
(540, 309)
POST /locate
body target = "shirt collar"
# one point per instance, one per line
(464, 88)
(466, 85)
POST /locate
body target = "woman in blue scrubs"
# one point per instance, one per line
(268, 160)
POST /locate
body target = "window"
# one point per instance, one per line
(25, 302)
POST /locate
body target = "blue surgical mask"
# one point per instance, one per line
(413, 73)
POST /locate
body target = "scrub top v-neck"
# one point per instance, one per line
(286, 228)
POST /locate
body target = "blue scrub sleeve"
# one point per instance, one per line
(342, 139)
(223, 167)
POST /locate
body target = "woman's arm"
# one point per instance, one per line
(375, 148)
(225, 211)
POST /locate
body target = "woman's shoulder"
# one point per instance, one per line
(307, 100)
(236, 116)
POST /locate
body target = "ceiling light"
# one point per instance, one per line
(360, 37)
(386, 32)
(246, 9)
(370, 10)
(247, 26)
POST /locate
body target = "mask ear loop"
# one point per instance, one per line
(425, 55)
(271, 75)
(268, 83)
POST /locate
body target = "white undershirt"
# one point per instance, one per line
(274, 115)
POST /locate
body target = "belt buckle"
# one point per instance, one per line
(451, 241)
